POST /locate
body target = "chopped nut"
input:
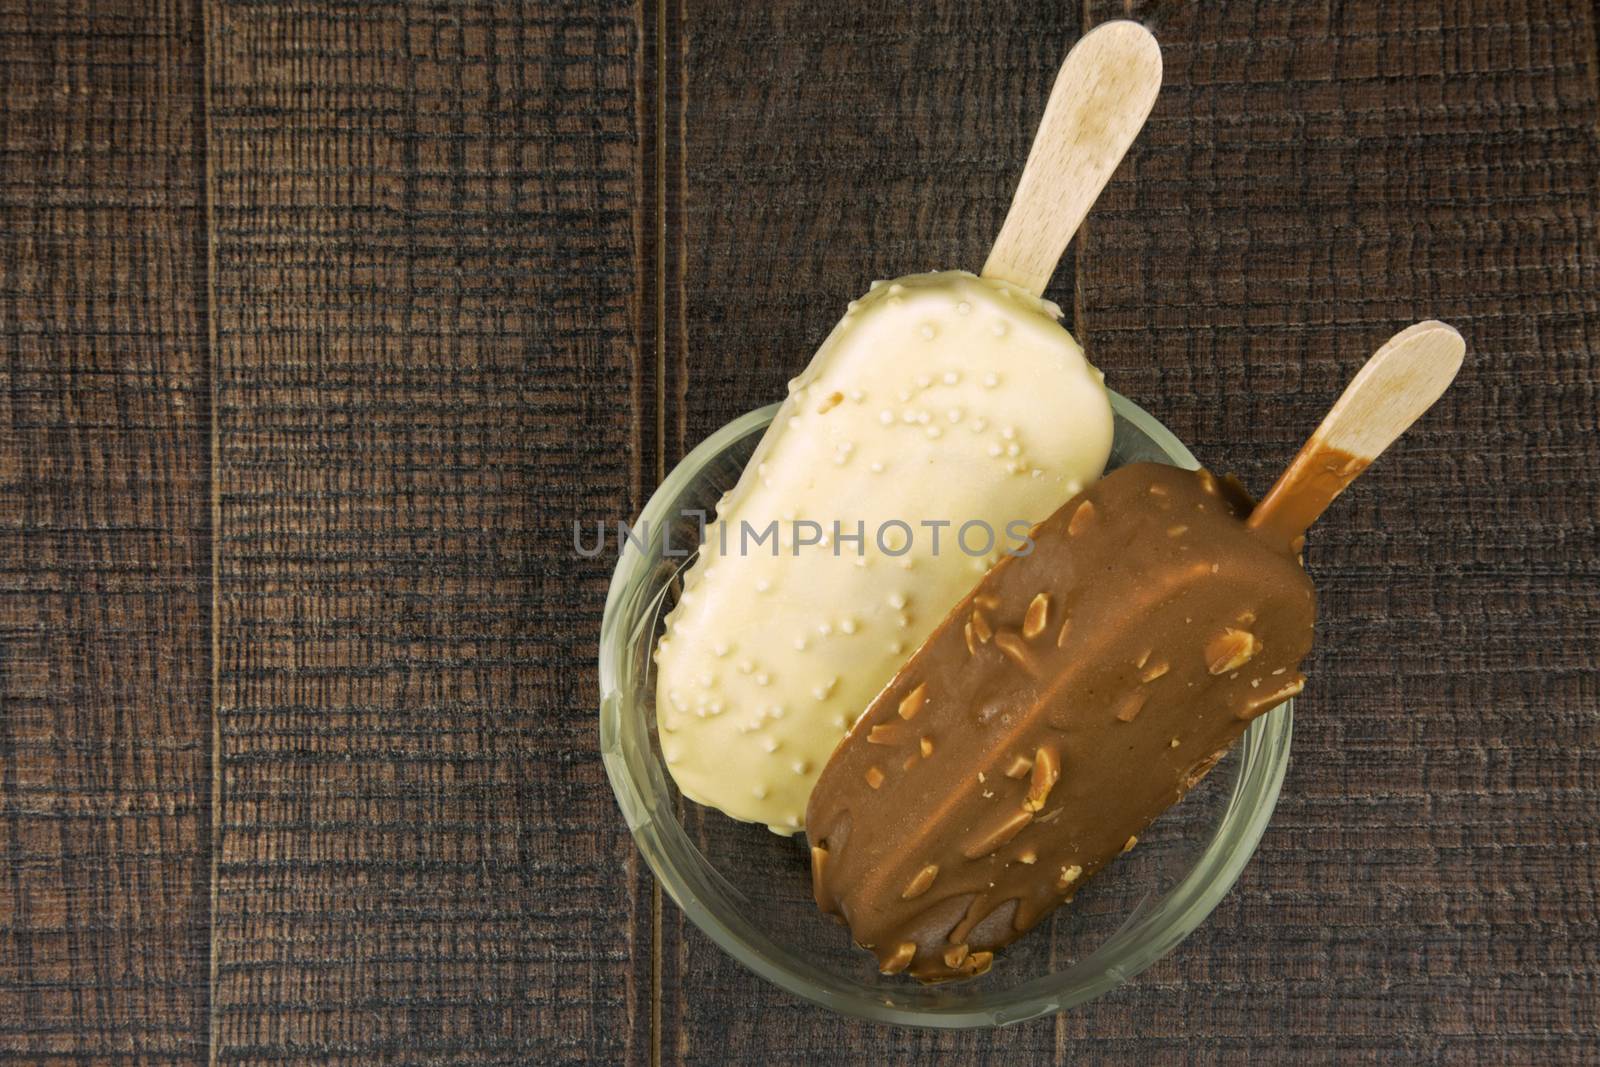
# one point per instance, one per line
(910, 761)
(980, 626)
(1174, 742)
(819, 883)
(1028, 856)
(1066, 628)
(972, 649)
(829, 402)
(1177, 531)
(954, 957)
(900, 959)
(1131, 706)
(979, 962)
(874, 777)
(1263, 704)
(1154, 671)
(914, 701)
(1129, 846)
(1068, 876)
(987, 601)
(1046, 773)
(885, 733)
(1143, 659)
(1080, 519)
(1010, 644)
(1201, 769)
(1020, 765)
(1230, 650)
(987, 843)
(921, 882)
(1038, 612)
(926, 744)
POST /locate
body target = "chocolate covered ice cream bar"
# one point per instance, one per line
(1072, 697)
(1082, 689)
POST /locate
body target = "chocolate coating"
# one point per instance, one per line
(1067, 701)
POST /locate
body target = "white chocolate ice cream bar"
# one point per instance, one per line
(938, 398)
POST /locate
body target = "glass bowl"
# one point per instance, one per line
(750, 889)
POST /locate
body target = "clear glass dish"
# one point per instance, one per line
(750, 890)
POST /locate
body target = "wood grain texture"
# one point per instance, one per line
(105, 710)
(425, 283)
(1314, 177)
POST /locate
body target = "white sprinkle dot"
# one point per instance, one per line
(847, 625)
(759, 792)
(720, 649)
(857, 395)
(923, 381)
(994, 450)
(933, 431)
(927, 332)
(897, 601)
(762, 585)
(876, 467)
(963, 308)
(800, 644)
(824, 628)
(991, 380)
(924, 418)
(769, 743)
(954, 415)
(896, 288)
(1013, 449)
(886, 416)
(762, 679)
(1008, 432)
(998, 329)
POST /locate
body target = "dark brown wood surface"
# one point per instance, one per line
(319, 324)
(105, 537)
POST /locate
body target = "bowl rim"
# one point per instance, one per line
(1264, 752)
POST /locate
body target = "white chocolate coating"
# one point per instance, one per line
(938, 397)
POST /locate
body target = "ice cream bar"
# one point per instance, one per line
(940, 398)
(1080, 690)
(943, 413)
(1067, 701)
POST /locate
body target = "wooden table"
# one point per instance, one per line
(320, 325)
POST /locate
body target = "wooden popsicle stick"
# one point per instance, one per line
(1105, 90)
(1399, 383)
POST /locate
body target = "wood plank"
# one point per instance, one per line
(1314, 177)
(426, 326)
(824, 146)
(105, 709)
